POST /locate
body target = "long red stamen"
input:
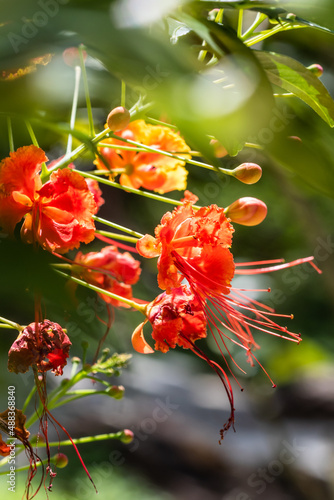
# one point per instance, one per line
(225, 380)
(259, 262)
(269, 269)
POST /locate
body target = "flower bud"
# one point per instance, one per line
(118, 119)
(60, 460)
(218, 148)
(71, 56)
(247, 211)
(295, 138)
(316, 69)
(116, 391)
(127, 436)
(248, 173)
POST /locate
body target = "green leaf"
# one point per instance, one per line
(229, 99)
(290, 75)
(313, 166)
(176, 29)
(271, 9)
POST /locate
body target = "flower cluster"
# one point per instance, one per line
(194, 246)
(56, 209)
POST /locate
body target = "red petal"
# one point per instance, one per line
(146, 246)
(19, 174)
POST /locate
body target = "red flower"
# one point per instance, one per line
(197, 241)
(58, 214)
(109, 269)
(44, 344)
(195, 246)
(94, 188)
(177, 319)
(152, 171)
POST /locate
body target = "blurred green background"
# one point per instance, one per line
(179, 457)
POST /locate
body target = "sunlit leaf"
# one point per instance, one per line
(292, 76)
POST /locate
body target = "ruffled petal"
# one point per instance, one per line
(19, 180)
(19, 171)
(66, 214)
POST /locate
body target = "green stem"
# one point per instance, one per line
(174, 156)
(132, 190)
(35, 143)
(203, 52)
(85, 82)
(253, 145)
(74, 398)
(12, 324)
(273, 31)
(25, 467)
(219, 16)
(116, 236)
(258, 20)
(32, 134)
(80, 150)
(77, 71)
(29, 397)
(97, 289)
(117, 226)
(158, 122)
(10, 134)
(240, 19)
(86, 439)
(142, 147)
(123, 94)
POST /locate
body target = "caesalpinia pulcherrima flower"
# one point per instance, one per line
(57, 215)
(177, 318)
(151, 171)
(195, 245)
(109, 269)
(45, 345)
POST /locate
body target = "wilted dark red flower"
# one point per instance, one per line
(43, 344)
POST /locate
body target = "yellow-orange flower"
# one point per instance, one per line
(152, 171)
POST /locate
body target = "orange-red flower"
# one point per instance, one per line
(94, 188)
(192, 244)
(109, 269)
(43, 344)
(58, 214)
(149, 170)
(195, 246)
(177, 318)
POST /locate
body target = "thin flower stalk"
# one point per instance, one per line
(114, 296)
